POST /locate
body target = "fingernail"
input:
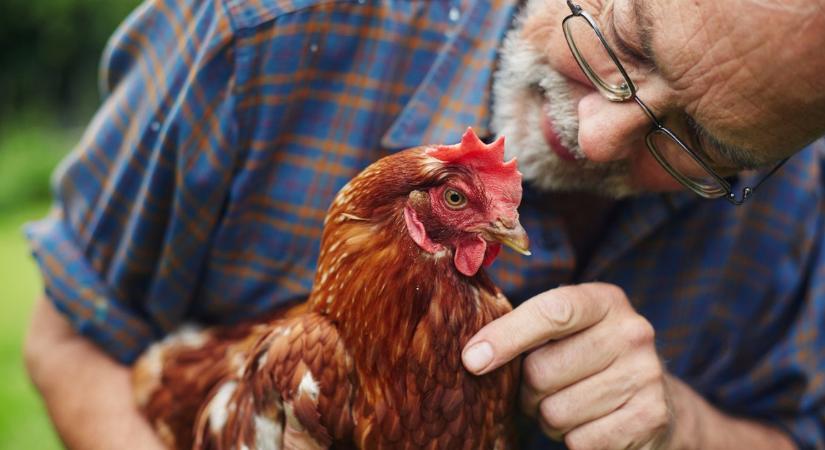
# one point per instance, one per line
(478, 356)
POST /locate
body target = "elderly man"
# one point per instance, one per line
(199, 189)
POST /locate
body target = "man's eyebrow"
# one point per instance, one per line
(644, 22)
(738, 156)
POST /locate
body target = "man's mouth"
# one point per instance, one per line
(552, 138)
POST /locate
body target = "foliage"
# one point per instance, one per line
(49, 51)
(30, 148)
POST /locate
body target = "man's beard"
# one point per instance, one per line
(525, 89)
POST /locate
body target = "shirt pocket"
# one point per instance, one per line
(250, 14)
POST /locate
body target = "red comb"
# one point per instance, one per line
(472, 152)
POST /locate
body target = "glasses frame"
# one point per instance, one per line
(627, 91)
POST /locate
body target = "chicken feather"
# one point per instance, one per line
(372, 360)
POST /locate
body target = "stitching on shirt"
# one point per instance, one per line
(246, 14)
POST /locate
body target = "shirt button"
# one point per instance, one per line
(454, 14)
(101, 310)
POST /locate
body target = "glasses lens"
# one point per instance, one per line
(595, 60)
(683, 166)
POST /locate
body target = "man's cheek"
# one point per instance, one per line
(648, 176)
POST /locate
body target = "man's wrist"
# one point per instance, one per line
(698, 425)
(87, 394)
(685, 432)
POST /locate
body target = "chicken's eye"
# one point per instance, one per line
(455, 199)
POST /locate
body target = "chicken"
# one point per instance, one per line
(372, 360)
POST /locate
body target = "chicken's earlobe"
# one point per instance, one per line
(417, 232)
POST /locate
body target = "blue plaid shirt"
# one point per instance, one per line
(199, 190)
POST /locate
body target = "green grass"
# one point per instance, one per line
(23, 420)
(30, 147)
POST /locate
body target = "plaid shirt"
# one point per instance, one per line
(199, 191)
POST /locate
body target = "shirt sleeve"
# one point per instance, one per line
(776, 370)
(797, 362)
(136, 200)
(794, 392)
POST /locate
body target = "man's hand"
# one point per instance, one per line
(593, 376)
(88, 395)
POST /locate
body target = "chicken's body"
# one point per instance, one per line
(373, 359)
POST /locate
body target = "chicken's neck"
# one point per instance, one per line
(388, 297)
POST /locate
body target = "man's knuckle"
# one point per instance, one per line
(578, 441)
(556, 312)
(661, 415)
(654, 416)
(656, 372)
(650, 379)
(648, 370)
(661, 410)
(639, 331)
(553, 413)
(549, 430)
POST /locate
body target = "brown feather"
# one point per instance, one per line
(371, 360)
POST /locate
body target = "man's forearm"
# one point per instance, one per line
(702, 426)
(87, 394)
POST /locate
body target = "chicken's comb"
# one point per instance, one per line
(473, 152)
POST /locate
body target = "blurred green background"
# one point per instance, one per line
(49, 57)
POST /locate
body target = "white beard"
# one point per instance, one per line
(525, 89)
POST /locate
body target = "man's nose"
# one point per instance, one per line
(609, 131)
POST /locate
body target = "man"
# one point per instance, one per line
(598, 382)
(198, 194)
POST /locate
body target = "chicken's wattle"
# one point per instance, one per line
(372, 360)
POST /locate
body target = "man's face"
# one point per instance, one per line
(747, 72)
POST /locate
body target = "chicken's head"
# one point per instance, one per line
(470, 207)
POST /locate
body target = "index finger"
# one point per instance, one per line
(553, 314)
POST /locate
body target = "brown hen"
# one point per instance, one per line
(372, 360)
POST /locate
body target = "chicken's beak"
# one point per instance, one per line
(509, 233)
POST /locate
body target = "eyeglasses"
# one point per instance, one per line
(601, 66)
